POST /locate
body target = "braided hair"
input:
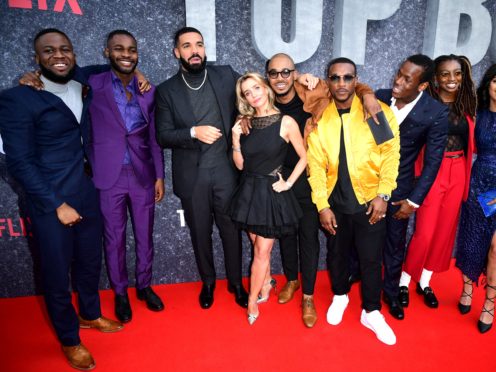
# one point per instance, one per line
(466, 98)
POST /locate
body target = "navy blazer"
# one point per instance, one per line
(174, 118)
(426, 124)
(43, 143)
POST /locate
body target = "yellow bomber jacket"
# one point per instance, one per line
(373, 168)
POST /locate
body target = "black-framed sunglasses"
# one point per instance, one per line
(284, 73)
(336, 78)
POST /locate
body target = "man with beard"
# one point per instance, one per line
(195, 110)
(290, 96)
(45, 145)
(423, 123)
(128, 169)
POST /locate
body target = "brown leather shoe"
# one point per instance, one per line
(288, 291)
(79, 357)
(309, 314)
(102, 324)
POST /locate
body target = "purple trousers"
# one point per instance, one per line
(128, 193)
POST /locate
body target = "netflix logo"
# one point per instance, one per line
(42, 5)
(14, 227)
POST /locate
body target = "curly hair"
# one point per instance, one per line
(466, 98)
(244, 107)
(483, 98)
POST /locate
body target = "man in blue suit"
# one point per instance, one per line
(45, 133)
(423, 123)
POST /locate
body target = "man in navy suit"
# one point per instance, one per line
(45, 133)
(194, 115)
(423, 123)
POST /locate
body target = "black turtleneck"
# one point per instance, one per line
(207, 112)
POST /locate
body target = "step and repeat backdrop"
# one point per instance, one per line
(376, 34)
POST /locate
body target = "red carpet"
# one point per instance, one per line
(186, 338)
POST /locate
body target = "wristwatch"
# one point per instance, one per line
(384, 197)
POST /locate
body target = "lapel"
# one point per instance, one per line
(142, 103)
(181, 100)
(216, 82)
(108, 92)
(417, 114)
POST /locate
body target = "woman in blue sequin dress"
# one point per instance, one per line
(476, 252)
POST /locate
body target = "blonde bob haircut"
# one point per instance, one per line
(244, 107)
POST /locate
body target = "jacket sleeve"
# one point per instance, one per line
(390, 156)
(437, 135)
(17, 126)
(157, 153)
(317, 168)
(167, 133)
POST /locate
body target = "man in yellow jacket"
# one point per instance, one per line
(352, 178)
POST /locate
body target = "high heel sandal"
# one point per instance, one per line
(465, 309)
(273, 284)
(252, 318)
(484, 327)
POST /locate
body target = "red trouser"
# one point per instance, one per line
(437, 219)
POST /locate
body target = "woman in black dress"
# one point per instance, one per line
(263, 203)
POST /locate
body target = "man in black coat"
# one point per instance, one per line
(195, 110)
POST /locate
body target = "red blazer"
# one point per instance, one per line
(468, 156)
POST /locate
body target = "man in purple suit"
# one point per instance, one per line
(128, 168)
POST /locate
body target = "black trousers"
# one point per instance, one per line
(355, 230)
(306, 243)
(73, 250)
(394, 252)
(209, 201)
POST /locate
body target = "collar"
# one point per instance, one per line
(409, 105)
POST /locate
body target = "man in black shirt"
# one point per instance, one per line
(280, 71)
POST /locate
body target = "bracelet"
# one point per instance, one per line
(236, 149)
(290, 184)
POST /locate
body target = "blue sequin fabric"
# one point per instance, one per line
(476, 230)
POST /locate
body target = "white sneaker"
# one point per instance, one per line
(337, 308)
(376, 322)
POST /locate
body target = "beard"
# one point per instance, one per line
(119, 69)
(59, 79)
(196, 68)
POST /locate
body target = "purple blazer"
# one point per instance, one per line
(109, 137)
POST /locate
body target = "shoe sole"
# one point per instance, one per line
(367, 325)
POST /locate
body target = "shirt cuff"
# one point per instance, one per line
(192, 132)
(416, 206)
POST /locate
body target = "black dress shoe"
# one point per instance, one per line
(153, 302)
(207, 295)
(123, 308)
(429, 297)
(404, 296)
(240, 295)
(395, 308)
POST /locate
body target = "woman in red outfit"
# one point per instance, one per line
(432, 243)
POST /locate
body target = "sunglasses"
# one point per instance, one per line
(284, 73)
(346, 78)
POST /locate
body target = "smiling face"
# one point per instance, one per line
(449, 77)
(255, 93)
(407, 86)
(190, 50)
(342, 83)
(55, 56)
(282, 86)
(122, 53)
